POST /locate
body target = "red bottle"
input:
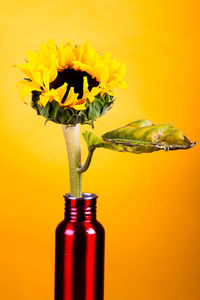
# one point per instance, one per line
(79, 266)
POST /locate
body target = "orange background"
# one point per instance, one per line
(149, 203)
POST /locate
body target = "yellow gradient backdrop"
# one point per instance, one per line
(148, 204)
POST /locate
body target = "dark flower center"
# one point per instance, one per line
(74, 79)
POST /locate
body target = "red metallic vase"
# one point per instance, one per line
(79, 266)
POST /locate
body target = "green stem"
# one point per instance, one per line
(86, 164)
(72, 139)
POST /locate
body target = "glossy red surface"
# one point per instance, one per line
(79, 267)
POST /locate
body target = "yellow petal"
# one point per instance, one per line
(110, 93)
(78, 52)
(26, 88)
(37, 77)
(66, 55)
(44, 99)
(24, 91)
(60, 92)
(85, 84)
(46, 78)
(105, 57)
(69, 55)
(91, 95)
(25, 69)
(101, 73)
(51, 45)
(79, 106)
(95, 90)
(71, 97)
(53, 73)
(30, 84)
(32, 57)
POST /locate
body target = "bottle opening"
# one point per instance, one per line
(85, 196)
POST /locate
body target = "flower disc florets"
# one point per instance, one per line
(70, 85)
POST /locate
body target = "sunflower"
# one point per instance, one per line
(70, 84)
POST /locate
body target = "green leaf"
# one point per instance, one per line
(45, 110)
(140, 137)
(53, 111)
(94, 109)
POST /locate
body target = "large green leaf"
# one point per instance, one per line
(139, 137)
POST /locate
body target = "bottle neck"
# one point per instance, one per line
(80, 209)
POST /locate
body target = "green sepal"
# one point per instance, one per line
(62, 115)
(139, 137)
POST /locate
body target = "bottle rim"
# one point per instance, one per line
(85, 196)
